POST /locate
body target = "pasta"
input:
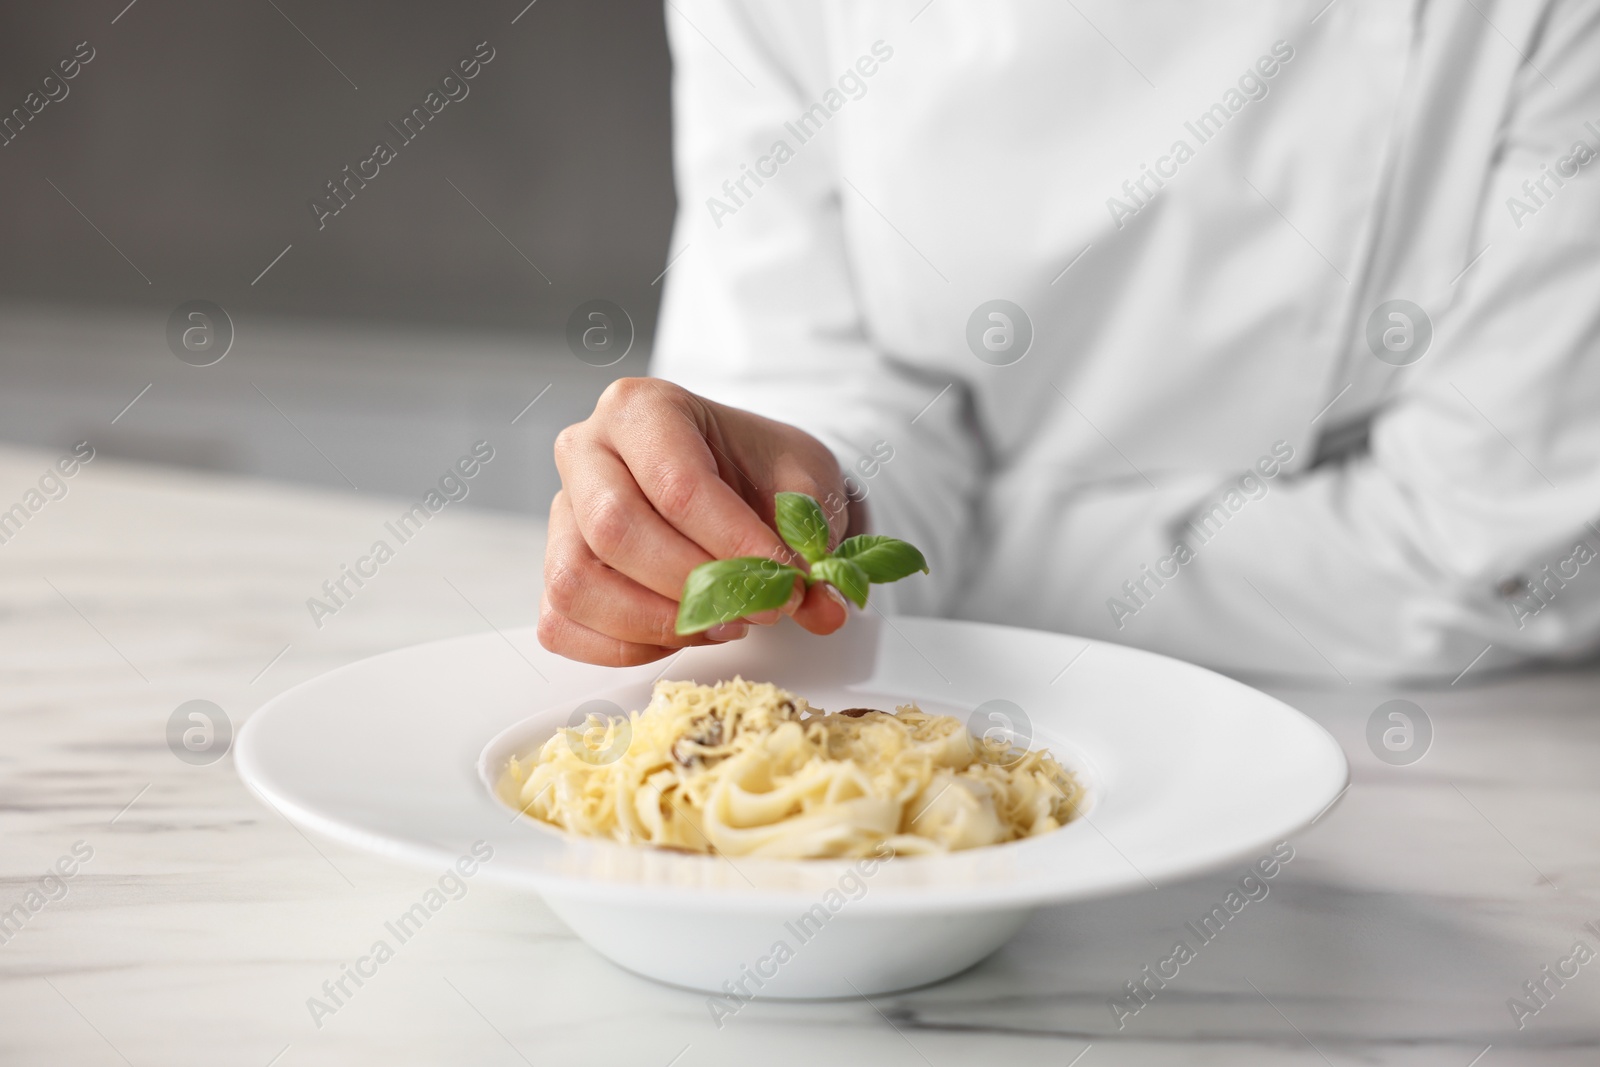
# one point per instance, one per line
(748, 769)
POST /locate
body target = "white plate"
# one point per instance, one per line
(1187, 771)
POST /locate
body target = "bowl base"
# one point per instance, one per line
(815, 955)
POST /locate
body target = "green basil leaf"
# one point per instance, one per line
(803, 525)
(844, 576)
(884, 559)
(727, 589)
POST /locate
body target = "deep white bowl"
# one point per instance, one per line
(1187, 771)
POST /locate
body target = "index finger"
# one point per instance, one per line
(684, 474)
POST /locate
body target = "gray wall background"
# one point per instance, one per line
(193, 141)
(202, 127)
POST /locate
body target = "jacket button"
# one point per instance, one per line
(1516, 585)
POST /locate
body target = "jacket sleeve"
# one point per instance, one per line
(1467, 527)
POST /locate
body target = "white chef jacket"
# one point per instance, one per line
(1198, 319)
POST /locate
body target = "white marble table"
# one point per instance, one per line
(203, 922)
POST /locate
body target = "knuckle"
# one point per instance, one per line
(662, 630)
(568, 442)
(564, 581)
(551, 631)
(609, 523)
(624, 392)
(626, 397)
(676, 491)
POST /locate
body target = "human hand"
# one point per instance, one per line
(655, 482)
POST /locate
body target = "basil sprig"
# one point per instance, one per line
(727, 589)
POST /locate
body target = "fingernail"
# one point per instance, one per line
(726, 631)
(835, 596)
(792, 605)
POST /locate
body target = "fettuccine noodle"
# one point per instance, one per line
(747, 769)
